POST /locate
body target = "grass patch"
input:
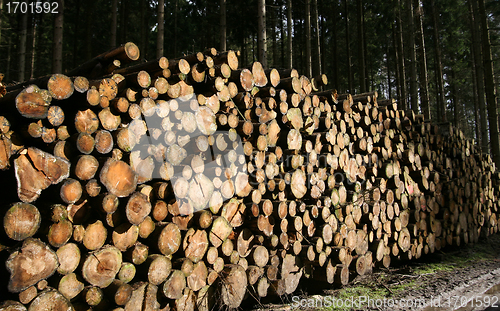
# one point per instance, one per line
(432, 268)
(404, 286)
(353, 293)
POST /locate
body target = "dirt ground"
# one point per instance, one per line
(465, 278)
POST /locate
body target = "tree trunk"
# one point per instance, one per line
(143, 23)
(361, 47)
(413, 59)
(281, 18)
(223, 28)
(348, 47)
(478, 77)
(389, 82)
(114, 17)
(1, 15)
(160, 36)
(454, 97)
(58, 39)
(176, 11)
(396, 62)
(22, 46)
(88, 12)
(289, 28)
(261, 33)
(272, 29)
(402, 74)
(307, 37)
(422, 55)
(317, 42)
(489, 85)
(439, 64)
(334, 43)
(33, 48)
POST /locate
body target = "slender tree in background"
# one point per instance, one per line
(441, 103)
(395, 45)
(76, 27)
(317, 43)
(348, 49)
(1, 19)
(489, 85)
(479, 76)
(176, 30)
(412, 57)
(307, 37)
(289, 28)
(88, 29)
(123, 20)
(283, 36)
(422, 56)
(361, 47)
(160, 35)
(114, 23)
(322, 38)
(223, 27)
(402, 74)
(335, 13)
(22, 45)
(143, 22)
(389, 70)
(33, 45)
(58, 38)
(272, 25)
(261, 33)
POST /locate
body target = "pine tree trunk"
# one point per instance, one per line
(22, 46)
(389, 82)
(33, 50)
(317, 43)
(281, 15)
(58, 39)
(334, 43)
(289, 29)
(223, 28)
(423, 79)
(361, 47)
(272, 29)
(114, 18)
(88, 12)
(142, 22)
(454, 98)
(402, 74)
(1, 15)
(307, 37)
(160, 36)
(176, 11)
(489, 85)
(413, 59)
(348, 47)
(478, 78)
(439, 64)
(396, 62)
(261, 34)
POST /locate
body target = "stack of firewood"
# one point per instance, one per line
(191, 183)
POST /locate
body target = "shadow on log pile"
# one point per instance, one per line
(191, 183)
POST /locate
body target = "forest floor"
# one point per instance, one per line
(465, 278)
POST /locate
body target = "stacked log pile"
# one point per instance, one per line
(191, 183)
